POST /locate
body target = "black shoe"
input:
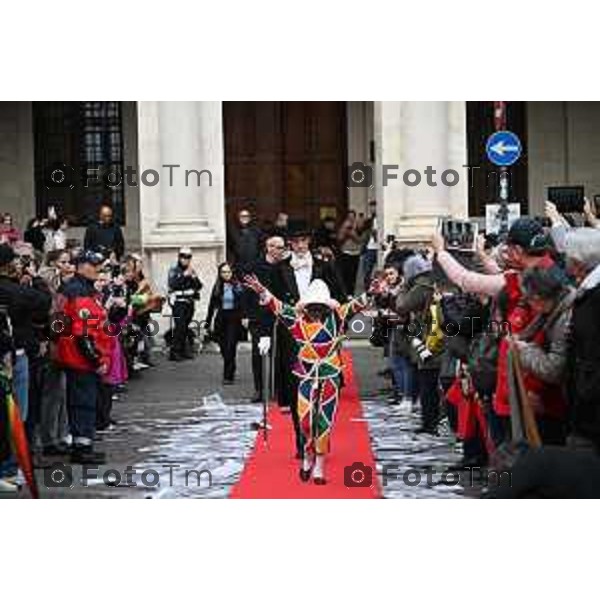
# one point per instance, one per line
(395, 399)
(146, 360)
(176, 357)
(427, 431)
(188, 355)
(304, 475)
(86, 455)
(256, 398)
(56, 450)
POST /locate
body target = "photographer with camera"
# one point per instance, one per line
(25, 306)
(527, 246)
(388, 332)
(417, 303)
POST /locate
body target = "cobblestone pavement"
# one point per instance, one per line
(178, 417)
(408, 465)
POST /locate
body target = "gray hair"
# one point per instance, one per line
(583, 245)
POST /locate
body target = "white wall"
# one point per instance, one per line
(16, 161)
(563, 148)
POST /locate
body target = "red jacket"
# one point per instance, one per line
(519, 315)
(548, 400)
(84, 316)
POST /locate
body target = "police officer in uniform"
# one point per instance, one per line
(184, 290)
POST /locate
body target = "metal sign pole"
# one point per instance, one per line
(503, 149)
(500, 125)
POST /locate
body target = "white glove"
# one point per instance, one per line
(264, 345)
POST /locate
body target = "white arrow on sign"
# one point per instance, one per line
(500, 148)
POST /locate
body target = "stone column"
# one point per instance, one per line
(358, 150)
(187, 206)
(415, 136)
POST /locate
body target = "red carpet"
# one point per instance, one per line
(271, 471)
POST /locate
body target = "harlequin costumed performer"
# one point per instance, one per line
(317, 324)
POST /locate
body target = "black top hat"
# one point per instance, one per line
(298, 228)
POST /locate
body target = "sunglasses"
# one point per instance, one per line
(186, 256)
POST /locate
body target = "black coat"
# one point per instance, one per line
(215, 311)
(104, 238)
(261, 319)
(583, 359)
(244, 245)
(27, 307)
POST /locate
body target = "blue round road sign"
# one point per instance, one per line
(503, 148)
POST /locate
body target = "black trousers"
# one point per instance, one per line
(228, 327)
(257, 374)
(37, 366)
(103, 405)
(82, 393)
(348, 269)
(553, 431)
(5, 450)
(430, 397)
(182, 317)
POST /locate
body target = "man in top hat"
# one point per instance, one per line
(291, 281)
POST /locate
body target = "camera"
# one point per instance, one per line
(567, 199)
(359, 175)
(58, 475)
(58, 175)
(421, 349)
(358, 475)
(459, 235)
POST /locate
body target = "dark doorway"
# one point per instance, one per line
(85, 137)
(285, 156)
(483, 175)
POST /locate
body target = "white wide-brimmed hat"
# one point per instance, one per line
(317, 293)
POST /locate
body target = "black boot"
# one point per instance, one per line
(86, 455)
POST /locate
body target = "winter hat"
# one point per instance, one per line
(528, 233)
(415, 265)
(317, 293)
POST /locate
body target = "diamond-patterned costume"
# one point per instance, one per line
(318, 366)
